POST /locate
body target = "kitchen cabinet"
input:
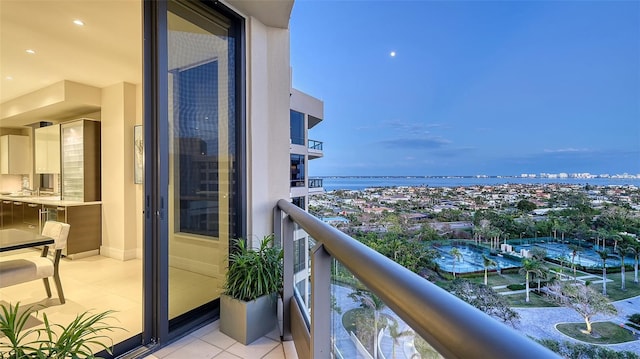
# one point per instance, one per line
(47, 148)
(7, 213)
(15, 156)
(81, 160)
(85, 220)
(31, 217)
(17, 215)
(85, 231)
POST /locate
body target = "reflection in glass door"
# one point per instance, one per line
(201, 88)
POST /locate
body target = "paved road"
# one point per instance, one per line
(540, 322)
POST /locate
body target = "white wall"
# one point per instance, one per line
(120, 196)
(267, 123)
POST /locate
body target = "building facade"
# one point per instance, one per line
(306, 112)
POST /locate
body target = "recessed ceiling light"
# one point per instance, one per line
(78, 22)
(30, 51)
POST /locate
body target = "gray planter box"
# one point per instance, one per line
(247, 321)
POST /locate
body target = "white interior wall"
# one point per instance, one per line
(119, 214)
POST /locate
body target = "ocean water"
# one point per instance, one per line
(360, 183)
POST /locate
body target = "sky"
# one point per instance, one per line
(475, 87)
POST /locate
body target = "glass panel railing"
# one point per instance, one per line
(315, 145)
(315, 182)
(406, 303)
(301, 273)
(363, 326)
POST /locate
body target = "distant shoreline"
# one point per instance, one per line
(331, 183)
(617, 176)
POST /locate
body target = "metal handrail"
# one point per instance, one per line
(315, 145)
(453, 327)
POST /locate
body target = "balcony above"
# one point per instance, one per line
(315, 149)
(315, 186)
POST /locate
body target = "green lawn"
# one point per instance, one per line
(349, 319)
(614, 289)
(607, 333)
(518, 300)
(535, 301)
(497, 279)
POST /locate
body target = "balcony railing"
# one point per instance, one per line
(315, 182)
(315, 145)
(452, 327)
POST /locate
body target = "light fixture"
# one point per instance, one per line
(30, 51)
(9, 78)
(78, 22)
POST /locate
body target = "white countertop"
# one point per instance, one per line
(51, 201)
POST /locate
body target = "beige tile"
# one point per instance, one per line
(227, 355)
(276, 353)
(175, 346)
(257, 349)
(289, 349)
(206, 329)
(196, 349)
(219, 339)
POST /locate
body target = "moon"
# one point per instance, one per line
(392, 54)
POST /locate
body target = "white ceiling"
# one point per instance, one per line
(105, 51)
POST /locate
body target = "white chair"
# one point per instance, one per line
(24, 270)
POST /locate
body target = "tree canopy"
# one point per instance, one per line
(583, 299)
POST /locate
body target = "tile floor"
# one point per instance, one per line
(209, 342)
(98, 283)
(93, 284)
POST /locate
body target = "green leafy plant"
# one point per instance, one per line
(78, 339)
(516, 287)
(253, 273)
(12, 323)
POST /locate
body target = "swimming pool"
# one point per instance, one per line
(471, 260)
(587, 257)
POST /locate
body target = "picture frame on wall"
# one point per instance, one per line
(138, 155)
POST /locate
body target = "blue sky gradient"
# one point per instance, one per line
(476, 87)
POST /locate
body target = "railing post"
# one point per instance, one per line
(320, 302)
(283, 230)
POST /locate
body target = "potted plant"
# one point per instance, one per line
(248, 302)
(79, 339)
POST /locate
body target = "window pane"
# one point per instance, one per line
(201, 159)
(297, 171)
(297, 128)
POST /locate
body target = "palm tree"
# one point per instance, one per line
(616, 238)
(538, 253)
(487, 262)
(396, 334)
(370, 301)
(634, 248)
(562, 259)
(455, 253)
(622, 252)
(603, 255)
(554, 227)
(602, 233)
(543, 273)
(529, 266)
(575, 250)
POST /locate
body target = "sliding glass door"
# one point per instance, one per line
(193, 177)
